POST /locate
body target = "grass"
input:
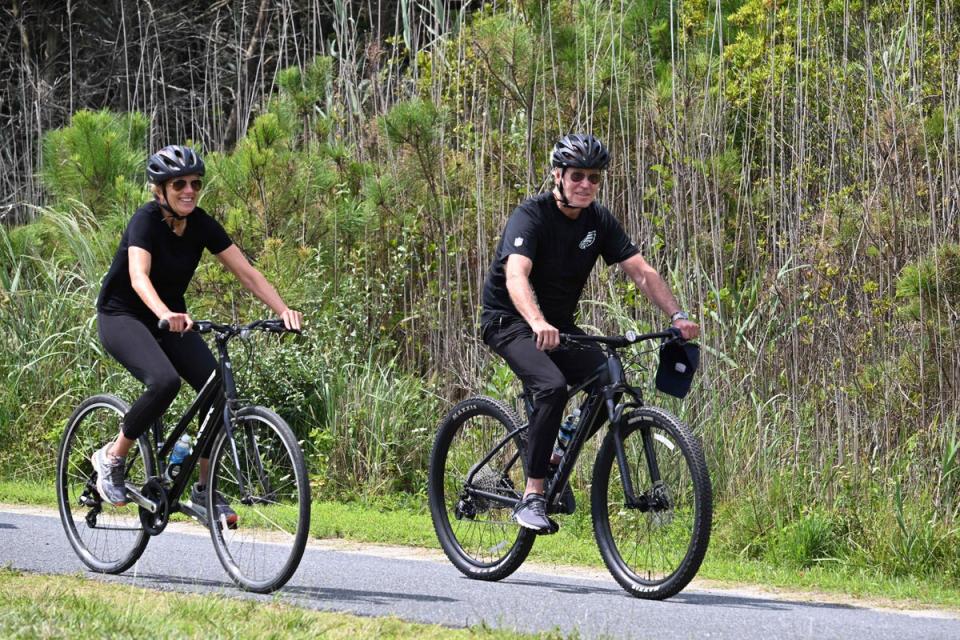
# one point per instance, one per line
(408, 523)
(74, 607)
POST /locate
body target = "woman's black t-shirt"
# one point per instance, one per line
(563, 252)
(174, 260)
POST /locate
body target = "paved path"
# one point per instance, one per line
(419, 586)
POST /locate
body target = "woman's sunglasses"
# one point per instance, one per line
(180, 184)
(578, 176)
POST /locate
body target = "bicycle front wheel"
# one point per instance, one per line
(476, 532)
(270, 493)
(108, 539)
(653, 541)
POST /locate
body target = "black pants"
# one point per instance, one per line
(158, 359)
(546, 376)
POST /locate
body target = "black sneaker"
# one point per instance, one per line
(198, 497)
(531, 513)
(110, 471)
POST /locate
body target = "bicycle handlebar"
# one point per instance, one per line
(630, 337)
(206, 326)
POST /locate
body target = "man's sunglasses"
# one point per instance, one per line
(578, 176)
(180, 184)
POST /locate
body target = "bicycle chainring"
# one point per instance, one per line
(155, 523)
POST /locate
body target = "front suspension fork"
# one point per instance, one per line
(646, 501)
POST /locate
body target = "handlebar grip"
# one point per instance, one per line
(164, 325)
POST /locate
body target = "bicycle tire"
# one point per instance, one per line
(265, 548)
(653, 554)
(481, 540)
(107, 539)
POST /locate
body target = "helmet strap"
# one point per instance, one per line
(166, 206)
(563, 196)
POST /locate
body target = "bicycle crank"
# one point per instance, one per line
(154, 506)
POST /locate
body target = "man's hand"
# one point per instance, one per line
(548, 337)
(689, 330)
(292, 319)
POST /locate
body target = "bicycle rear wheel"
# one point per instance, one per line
(654, 546)
(108, 539)
(271, 495)
(478, 534)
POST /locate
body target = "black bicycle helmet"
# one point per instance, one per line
(173, 161)
(580, 151)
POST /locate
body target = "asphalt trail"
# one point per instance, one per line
(421, 587)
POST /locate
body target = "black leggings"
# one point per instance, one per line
(158, 359)
(545, 375)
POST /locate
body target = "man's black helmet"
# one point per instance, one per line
(581, 152)
(172, 162)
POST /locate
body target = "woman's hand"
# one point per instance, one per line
(178, 322)
(291, 319)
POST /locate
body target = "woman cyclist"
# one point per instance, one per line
(158, 255)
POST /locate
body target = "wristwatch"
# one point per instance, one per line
(679, 315)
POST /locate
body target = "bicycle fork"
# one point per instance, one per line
(655, 498)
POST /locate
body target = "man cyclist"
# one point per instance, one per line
(158, 255)
(546, 252)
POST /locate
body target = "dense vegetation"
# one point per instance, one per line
(791, 168)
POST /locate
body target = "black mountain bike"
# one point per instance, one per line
(256, 464)
(650, 498)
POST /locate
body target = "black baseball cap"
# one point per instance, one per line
(678, 363)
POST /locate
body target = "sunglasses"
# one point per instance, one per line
(181, 184)
(578, 176)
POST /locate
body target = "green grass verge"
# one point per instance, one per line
(407, 522)
(75, 607)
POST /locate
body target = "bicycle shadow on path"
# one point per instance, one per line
(739, 601)
(292, 592)
(566, 588)
(696, 598)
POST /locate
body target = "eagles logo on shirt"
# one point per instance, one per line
(588, 240)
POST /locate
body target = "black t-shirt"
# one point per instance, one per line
(173, 260)
(563, 252)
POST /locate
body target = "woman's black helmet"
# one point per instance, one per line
(580, 151)
(172, 162)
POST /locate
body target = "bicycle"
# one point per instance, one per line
(650, 499)
(255, 463)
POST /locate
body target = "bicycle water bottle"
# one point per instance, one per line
(180, 452)
(567, 428)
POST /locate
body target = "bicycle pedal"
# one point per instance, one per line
(554, 527)
(226, 524)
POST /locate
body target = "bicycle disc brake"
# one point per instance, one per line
(154, 523)
(661, 513)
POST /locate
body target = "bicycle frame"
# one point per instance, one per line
(604, 391)
(220, 394)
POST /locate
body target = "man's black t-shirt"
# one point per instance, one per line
(173, 260)
(563, 252)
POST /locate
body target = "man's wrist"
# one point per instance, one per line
(679, 315)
